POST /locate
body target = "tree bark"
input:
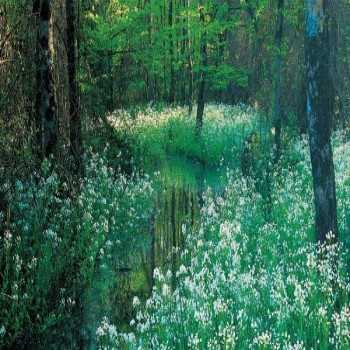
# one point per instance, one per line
(189, 62)
(46, 121)
(75, 121)
(234, 93)
(320, 103)
(277, 112)
(171, 52)
(202, 76)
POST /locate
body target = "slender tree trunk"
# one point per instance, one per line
(255, 42)
(46, 121)
(75, 121)
(171, 52)
(320, 101)
(190, 63)
(202, 78)
(231, 89)
(190, 86)
(234, 92)
(37, 122)
(277, 112)
(183, 53)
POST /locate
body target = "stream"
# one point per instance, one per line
(177, 203)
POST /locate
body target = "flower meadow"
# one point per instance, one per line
(55, 247)
(157, 133)
(250, 275)
(248, 280)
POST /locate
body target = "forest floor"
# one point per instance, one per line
(250, 275)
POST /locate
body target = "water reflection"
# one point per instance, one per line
(180, 197)
(180, 185)
(177, 206)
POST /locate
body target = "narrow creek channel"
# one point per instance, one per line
(178, 201)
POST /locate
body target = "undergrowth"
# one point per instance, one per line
(251, 281)
(250, 277)
(54, 246)
(153, 135)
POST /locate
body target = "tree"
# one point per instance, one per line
(277, 112)
(189, 59)
(202, 78)
(46, 119)
(75, 121)
(320, 100)
(171, 52)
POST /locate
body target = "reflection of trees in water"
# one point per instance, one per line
(178, 203)
(177, 206)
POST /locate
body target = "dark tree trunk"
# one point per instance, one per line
(277, 112)
(37, 122)
(202, 76)
(255, 42)
(301, 109)
(46, 120)
(320, 102)
(183, 53)
(75, 121)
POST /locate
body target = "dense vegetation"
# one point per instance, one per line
(174, 174)
(248, 281)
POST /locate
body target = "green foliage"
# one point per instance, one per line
(155, 135)
(223, 75)
(251, 283)
(130, 51)
(56, 246)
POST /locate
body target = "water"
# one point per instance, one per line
(180, 185)
(179, 198)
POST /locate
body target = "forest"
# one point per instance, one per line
(175, 174)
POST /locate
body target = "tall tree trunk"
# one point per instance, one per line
(189, 62)
(234, 92)
(75, 121)
(46, 122)
(320, 102)
(171, 52)
(255, 43)
(277, 112)
(183, 52)
(202, 76)
(37, 122)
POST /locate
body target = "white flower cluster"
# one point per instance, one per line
(248, 282)
(56, 240)
(156, 133)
